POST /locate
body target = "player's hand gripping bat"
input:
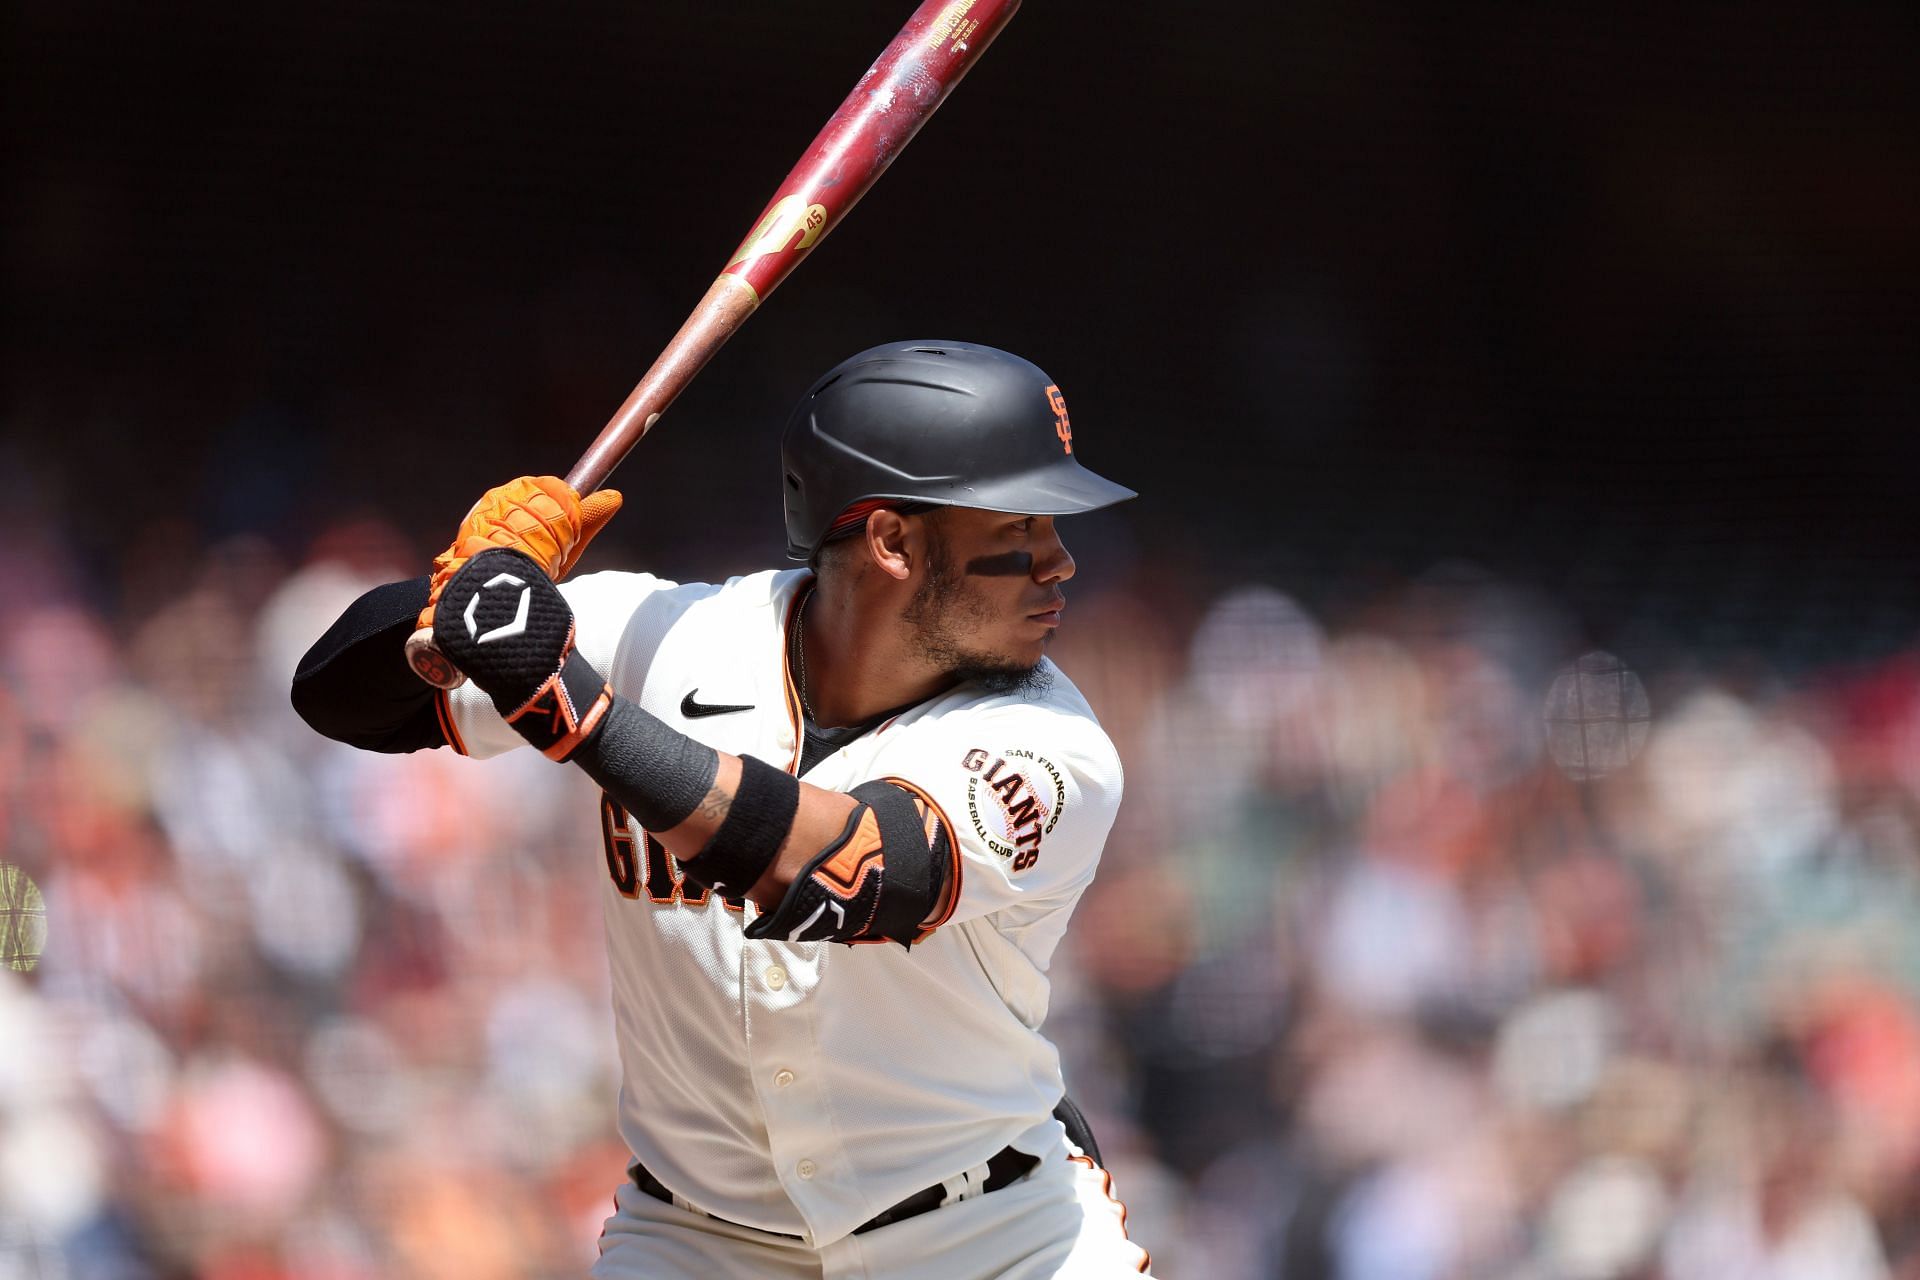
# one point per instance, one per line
(905, 85)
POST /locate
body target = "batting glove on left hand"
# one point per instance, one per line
(504, 623)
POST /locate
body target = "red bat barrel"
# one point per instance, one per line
(905, 85)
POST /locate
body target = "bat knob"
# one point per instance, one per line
(430, 664)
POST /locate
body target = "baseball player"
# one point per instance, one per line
(847, 810)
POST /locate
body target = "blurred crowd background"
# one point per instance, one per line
(1515, 651)
(1428, 945)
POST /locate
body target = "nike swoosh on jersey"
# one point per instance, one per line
(694, 710)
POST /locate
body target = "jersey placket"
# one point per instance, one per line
(789, 1073)
(778, 983)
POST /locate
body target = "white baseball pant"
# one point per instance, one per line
(1060, 1222)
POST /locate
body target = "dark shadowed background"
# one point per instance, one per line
(1625, 305)
(1513, 648)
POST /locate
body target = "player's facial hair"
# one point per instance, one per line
(942, 607)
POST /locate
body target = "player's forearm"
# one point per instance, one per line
(688, 795)
(821, 865)
(824, 866)
(817, 820)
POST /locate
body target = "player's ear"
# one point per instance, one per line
(894, 543)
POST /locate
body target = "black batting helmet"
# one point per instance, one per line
(951, 424)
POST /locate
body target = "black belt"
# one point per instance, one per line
(1003, 1169)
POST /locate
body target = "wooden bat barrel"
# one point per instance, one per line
(904, 86)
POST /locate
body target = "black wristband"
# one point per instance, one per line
(756, 826)
(657, 773)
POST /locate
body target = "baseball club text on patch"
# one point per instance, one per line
(1014, 800)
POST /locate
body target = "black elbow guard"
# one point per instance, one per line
(885, 878)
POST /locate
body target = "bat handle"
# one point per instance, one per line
(724, 308)
(431, 665)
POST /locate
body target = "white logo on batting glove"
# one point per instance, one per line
(501, 632)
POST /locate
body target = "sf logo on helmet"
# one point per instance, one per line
(1061, 427)
(505, 629)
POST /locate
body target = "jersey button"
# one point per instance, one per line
(806, 1169)
(776, 976)
(782, 1078)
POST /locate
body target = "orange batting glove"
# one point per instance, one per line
(539, 515)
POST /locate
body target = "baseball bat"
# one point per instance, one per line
(904, 86)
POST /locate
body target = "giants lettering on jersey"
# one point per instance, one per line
(1014, 799)
(659, 875)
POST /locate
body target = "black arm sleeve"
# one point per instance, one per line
(355, 686)
(653, 771)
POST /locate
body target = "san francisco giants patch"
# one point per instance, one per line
(1014, 799)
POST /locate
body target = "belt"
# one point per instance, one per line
(1003, 1169)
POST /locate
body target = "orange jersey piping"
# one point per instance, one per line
(795, 721)
(443, 710)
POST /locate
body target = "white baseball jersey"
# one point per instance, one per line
(804, 1088)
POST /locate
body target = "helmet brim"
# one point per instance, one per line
(1057, 491)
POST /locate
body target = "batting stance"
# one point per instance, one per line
(871, 751)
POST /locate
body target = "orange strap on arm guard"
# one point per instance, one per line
(540, 516)
(890, 876)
